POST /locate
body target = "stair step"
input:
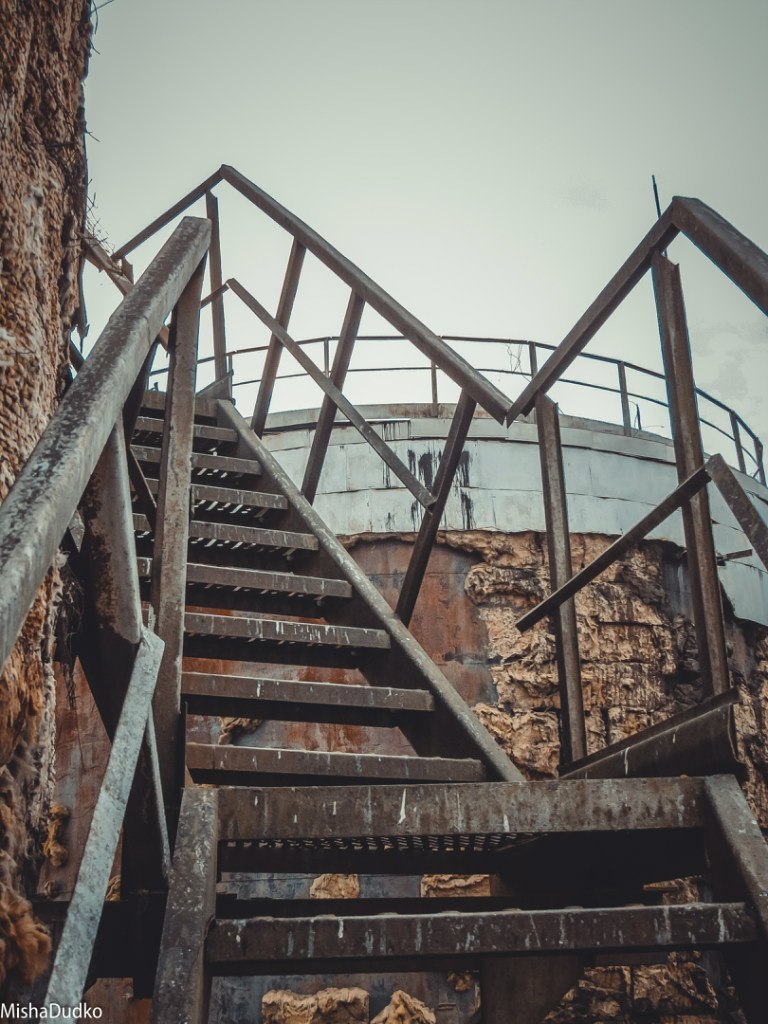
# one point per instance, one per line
(288, 700)
(153, 425)
(202, 462)
(217, 577)
(254, 639)
(154, 401)
(240, 535)
(265, 945)
(284, 631)
(242, 766)
(230, 907)
(232, 501)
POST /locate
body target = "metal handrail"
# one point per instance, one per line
(307, 239)
(738, 424)
(39, 507)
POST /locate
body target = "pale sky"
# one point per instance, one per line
(487, 162)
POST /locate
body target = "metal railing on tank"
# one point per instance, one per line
(633, 400)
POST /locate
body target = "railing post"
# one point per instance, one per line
(737, 441)
(272, 360)
(689, 456)
(626, 416)
(759, 460)
(169, 560)
(574, 733)
(327, 415)
(217, 303)
(433, 381)
(454, 446)
(533, 358)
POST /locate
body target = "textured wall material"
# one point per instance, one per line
(43, 57)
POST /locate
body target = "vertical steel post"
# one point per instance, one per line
(327, 416)
(689, 455)
(217, 303)
(454, 446)
(169, 564)
(759, 460)
(272, 361)
(433, 381)
(574, 733)
(626, 416)
(533, 358)
(737, 442)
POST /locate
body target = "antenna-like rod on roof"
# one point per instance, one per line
(658, 204)
(656, 195)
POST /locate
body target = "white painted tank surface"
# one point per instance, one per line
(613, 478)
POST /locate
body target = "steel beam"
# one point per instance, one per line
(172, 532)
(327, 415)
(737, 499)
(696, 742)
(182, 989)
(617, 550)
(689, 455)
(512, 809)
(259, 945)
(422, 548)
(572, 722)
(217, 290)
(70, 968)
(274, 351)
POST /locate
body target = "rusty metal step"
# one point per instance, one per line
(148, 430)
(245, 766)
(217, 580)
(154, 403)
(220, 465)
(254, 639)
(229, 502)
(207, 534)
(360, 944)
(288, 700)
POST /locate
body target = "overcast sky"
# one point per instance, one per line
(487, 162)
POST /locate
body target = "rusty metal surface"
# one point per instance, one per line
(689, 453)
(289, 700)
(573, 725)
(256, 945)
(748, 517)
(217, 298)
(617, 550)
(181, 989)
(74, 952)
(327, 414)
(701, 741)
(272, 360)
(245, 766)
(172, 529)
(425, 539)
(462, 811)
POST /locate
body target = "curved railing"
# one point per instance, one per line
(733, 437)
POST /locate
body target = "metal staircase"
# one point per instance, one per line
(213, 588)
